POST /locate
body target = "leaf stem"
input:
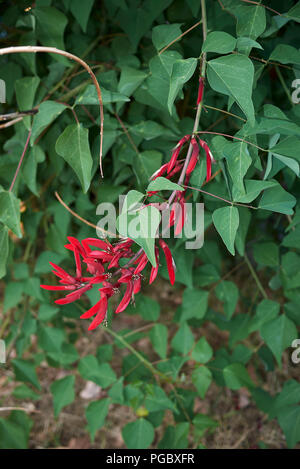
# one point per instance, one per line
(254, 275)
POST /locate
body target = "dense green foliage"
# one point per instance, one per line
(251, 66)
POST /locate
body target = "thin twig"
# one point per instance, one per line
(254, 275)
(53, 50)
(106, 233)
(20, 161)
(127, 134)
(221, 198)
(179, 37)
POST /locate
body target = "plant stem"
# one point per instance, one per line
(281, 79)
(254, 275)
(68, 55)
(200, 105)
(137, 354)
(20, 161)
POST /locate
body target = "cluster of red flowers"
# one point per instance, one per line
(103, 263)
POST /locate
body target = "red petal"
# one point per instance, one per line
(169, 259)
(194, 157)
(154, 270)
(99, 243)
(142, 264)
(57, 287)
(126, 298)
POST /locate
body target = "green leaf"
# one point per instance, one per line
(145, 164)
(95, 414)
(24, 392)
(25, 372)
(266, 254)
(73, 146)
(219, 42)
(238, 161)
(182, 71)
(138, 434)
(142, 228)
(294, 13)
(175, 437)
(131, 201)
(228, 293)
(183, 340)
(236, 376)
(285, 54)
(25, 91)
(51, 24)
(163, 34)
(278, 200)
(202, 378)
(253, 189)
(163, 184)
(10, 212)
(233, 75)
(156, 400)
(194, 304)
(136, 20)
(14, 431)
(48, 112)
(279, 334)
(63, 393)
(81, 11)
(202, 352)
(266, 311)
(3, 249)
(289, 421)
(91, 370)
(226, 221)
(130, 80)
(90, 96)
(50, 339)
(159, 339)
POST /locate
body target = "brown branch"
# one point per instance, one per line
(53, 50)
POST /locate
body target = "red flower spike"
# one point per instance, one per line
(200, 90)
(169, 259)
(126, 298)
(100, 315)
(77, 263)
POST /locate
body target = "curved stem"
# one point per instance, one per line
(53, 50)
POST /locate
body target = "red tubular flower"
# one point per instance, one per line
(58, 287)
(169, 259)
(142, 264)
(181, 219)
(154, 270)
(75, 295)
(200, 90)
(100, 309)
(209, 158)
(126, 298)
(194, 157)
(137, 284)
(162, 170)
(99, 243)
(61, 273)
(176, 152)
